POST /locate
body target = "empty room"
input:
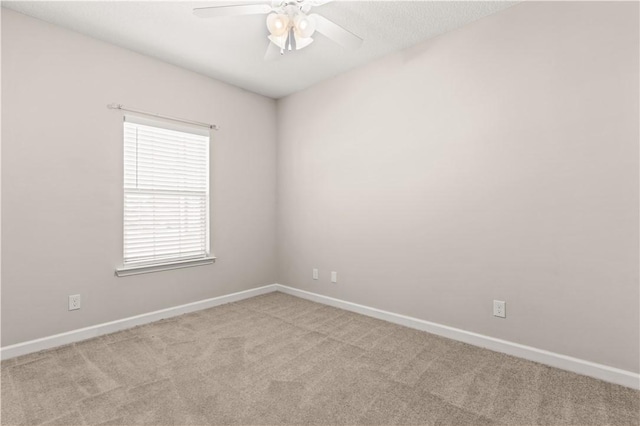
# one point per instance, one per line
(320, 212)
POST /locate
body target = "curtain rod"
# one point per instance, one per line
(182, 120)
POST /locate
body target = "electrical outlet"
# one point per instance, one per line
(499, 308)
(74, 302)
(315, 274)
(334, 277)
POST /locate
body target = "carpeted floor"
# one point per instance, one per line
(278, 359)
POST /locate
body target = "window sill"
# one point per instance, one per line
(145, 269)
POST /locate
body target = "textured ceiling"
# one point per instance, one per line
(231, 49)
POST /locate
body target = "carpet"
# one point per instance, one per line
(278, 359)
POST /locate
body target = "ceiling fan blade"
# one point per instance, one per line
(234, 10)
(272, 53)
(336, 33)
(308, 4)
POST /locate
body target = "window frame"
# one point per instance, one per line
(179, 263)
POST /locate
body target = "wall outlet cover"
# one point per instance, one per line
(74, 302)
(500, 308)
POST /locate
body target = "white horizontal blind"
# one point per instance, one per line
(166, 194)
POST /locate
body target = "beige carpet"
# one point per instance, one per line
(277, 359)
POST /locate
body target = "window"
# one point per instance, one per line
(166, 196)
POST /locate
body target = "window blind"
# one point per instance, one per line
(166, 193)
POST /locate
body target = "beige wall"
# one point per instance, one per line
(62, 180)
(499, 161)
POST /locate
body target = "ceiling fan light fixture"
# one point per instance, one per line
(304, 25)
(280, 41)
(302, 42)
(289, 22)
(278, 24)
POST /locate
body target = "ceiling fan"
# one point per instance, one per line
(289, 22)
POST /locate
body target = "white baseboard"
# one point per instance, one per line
(113, 326)
(564, 362)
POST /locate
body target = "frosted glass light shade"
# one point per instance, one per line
(302, 42)
(280, 41)
(304, 25)
(277, 24)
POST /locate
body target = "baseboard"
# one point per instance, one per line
(113, 326)
(576, 365)
(564, 362)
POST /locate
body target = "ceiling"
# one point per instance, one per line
(231, 49)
